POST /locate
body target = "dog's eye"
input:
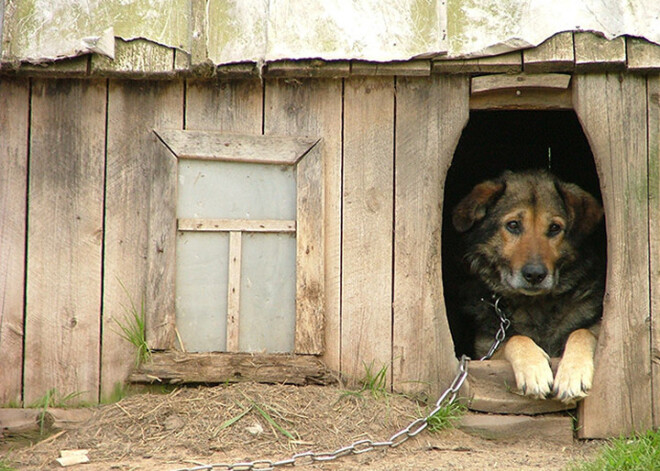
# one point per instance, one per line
(554, 229)
(513, 227)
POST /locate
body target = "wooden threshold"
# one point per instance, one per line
(183, 368)
(491, 388)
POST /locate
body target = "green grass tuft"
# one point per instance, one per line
(640, 453)
(446, 417)
(132, 328)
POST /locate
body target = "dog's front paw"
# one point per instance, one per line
(531, 366)
(574, 378)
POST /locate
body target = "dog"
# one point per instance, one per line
(524, 235)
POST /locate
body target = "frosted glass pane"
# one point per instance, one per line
(236, 190)
(201, 290)
(268, 293)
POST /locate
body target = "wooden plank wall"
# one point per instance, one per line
(84, 152)
(619, 144)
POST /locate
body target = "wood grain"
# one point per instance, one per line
(553, 55)
(229, 225)
(314, 108)
(210, 145)
(642, 55)
(14, 121)
(490, 83)
(232, 106)
(181, 368)
(594, 52)
(234, 291)
(653, 100)
(612, 110)
(431, 114)
(310, 254)
(366, 327)
(134, 108)
(65, 233)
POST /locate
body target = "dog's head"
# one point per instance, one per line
(522, 228)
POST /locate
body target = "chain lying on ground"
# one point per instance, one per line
(359, 447)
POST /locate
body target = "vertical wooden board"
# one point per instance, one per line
(313, 107)
(65, 230)
(161, 252)
(232, 106)
(310, 254)
(366, 322)
(612, 111)
(134, 110)
(234, 291)
(653, 101)
(14, 118)
(430, 116)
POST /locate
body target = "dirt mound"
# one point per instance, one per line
(247, 422)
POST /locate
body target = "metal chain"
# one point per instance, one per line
(359, 447)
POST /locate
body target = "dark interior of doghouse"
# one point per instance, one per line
(494, 141)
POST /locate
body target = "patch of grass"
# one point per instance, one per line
(446, 417)
(5, 466)
(52, 399)
(375, 383)
(132, 328)
(640, 453)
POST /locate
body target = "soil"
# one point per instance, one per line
(246, 422)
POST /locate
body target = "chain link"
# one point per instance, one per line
(413, 429)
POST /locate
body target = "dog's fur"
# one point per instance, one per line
(524, 235)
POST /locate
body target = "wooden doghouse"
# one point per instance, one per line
(95, 155)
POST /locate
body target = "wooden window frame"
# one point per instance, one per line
(304, 153)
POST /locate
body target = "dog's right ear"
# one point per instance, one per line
(473, 207)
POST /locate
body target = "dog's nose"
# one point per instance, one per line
(534, 273)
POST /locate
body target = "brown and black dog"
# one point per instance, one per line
(524, 235)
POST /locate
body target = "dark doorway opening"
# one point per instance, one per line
(494, 141)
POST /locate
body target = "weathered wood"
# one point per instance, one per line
(135, 58)
(231, 225)
(27, 420)
(642, 55)
(161, 252)
(431, 114)
(310, 254)
(367, 225)
(653, 100)
(553, 55)
(403, 68)
(594, 52)
(523, 100)
(14, 120)
(65, 231)
(133, 109)
(612, 110)
(491, 389)
(314, 107)
(314, 68)
(228, 106)
(557, 429)
(491, 83)
(181, 368)
(234, 291)
(211, 145)
(509, 63)
(74, 67)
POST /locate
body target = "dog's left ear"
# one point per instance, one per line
(584, 211)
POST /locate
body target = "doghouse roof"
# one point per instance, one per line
(178, 36)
